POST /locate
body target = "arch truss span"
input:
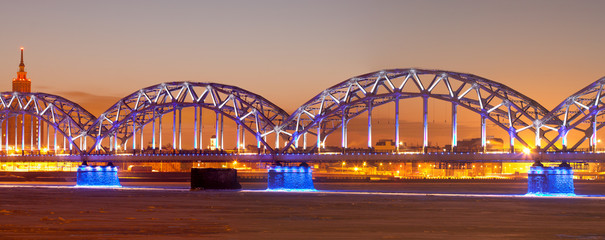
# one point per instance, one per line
(29, 112)
(580, 115)
(331, 110)
(129, 116)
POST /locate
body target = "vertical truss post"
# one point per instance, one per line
(39, 134)
(343, 138)
(174, 129)
(1, 128)
(153, 129)
(305, 141)
(277, 132)
(200, 128)
(222, 132)
(243, 137)
(142, 140)
(23, 132)
(238, 137)
(425, 123)
(564, 137)
(47, 136)
(537, 139)
(216, 130)
(180, 129)
(134, 134)
(55, 140)
(397, 140)
(195, 127)
(594, 133)
(7, 118)
(160, 132)
(16, 132)
(454, 126)
(483, 134)
(370, 124)
(511, 137)
(319, 136)
(31, 135)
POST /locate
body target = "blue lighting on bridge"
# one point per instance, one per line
(99, 176)
(290, 179)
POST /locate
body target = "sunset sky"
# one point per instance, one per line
(95, 52)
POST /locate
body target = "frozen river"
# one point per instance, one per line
(171, 211)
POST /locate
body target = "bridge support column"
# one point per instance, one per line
(397, 140)
(243, 138)
(538, 139)
(454, 126)
(55, 140)
(511, 137)
(370, 107)
(305, 141)
(238, 137)
(47, 137)
(343, 139)
(319, 138)
(153, 129)
(564, 138)
(7, 134)
(216, 136)
(141, 128)
(16, 132)
(174, 129)
(134, 134)
(194, 127)
(1, 140)
(180, 129)
(593, 137)
(222, 134)
(31, 135)
(425, 124)
(483, 134)
(160, 132)
(200, 122)
(39, 136)
(22, 132)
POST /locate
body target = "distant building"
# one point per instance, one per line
(385, 145)
(474, 145)
(213, 143)
(19, 127)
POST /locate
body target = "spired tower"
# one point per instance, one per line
(20, 132)
(22, 83)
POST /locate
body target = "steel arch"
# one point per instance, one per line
(507, 108)
(67, 118)
(256, 114)
(574, 113)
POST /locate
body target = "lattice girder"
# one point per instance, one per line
(256, 114)
(578, 113)
(505, 107)
(68, 118)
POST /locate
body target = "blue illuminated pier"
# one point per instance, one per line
(290, 179)
(547, 181)
(98, 176)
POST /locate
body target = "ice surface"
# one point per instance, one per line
(174, 212)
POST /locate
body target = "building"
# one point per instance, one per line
(20, 131)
